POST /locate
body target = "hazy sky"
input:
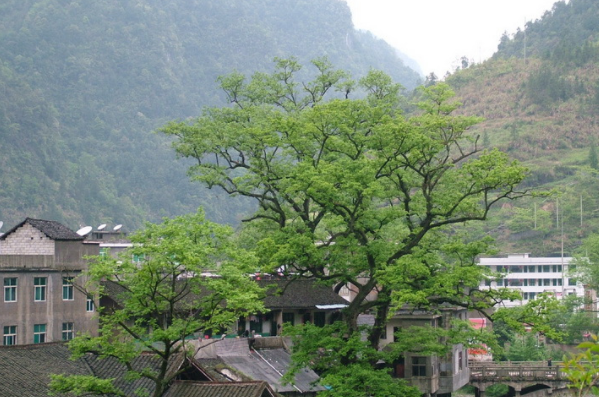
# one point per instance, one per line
(437, 33)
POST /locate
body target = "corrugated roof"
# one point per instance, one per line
(52, 229)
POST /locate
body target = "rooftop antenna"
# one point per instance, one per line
(84, 231)
(102, 226)
(117, 227)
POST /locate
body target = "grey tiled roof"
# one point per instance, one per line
(218, 389)
(52, 229)
(25, 370)
(110, 368)
(298, 294)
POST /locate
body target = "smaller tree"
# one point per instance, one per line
(582, 369)
(164, 299)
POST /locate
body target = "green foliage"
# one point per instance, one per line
(582, 369)
(323, 348)
(164, 299)
(83, 385)
(527, 348)
(351, 191)
(561, 34)
(497, 390)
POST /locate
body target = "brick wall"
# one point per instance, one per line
(27, 240)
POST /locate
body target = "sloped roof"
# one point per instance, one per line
(52, 229)
(108, 368)
(260, 364)
(25, 370)
(298, 294)
(220, 389)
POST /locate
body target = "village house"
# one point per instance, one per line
(40, 262)
(293, 302)
(432, 374)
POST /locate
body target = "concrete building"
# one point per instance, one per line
(42, 300)
(532, 276)
(432, 374)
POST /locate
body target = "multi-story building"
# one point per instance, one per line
(532, 276)
(432, 374)
(42, 299)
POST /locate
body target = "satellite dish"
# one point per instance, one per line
(84, 231)
(102, 226)
(1, 224)
(117, 227)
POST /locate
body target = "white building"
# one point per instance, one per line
(532, 276)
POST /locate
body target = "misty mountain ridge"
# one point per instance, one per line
(85, 83)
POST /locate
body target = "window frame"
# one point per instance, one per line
(10, 333)
(39, 290)
(39, 333)
(90, 305)
(10, 289)
(68, 331)
(68, 290)
(419, 365)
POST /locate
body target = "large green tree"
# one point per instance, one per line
(352, 191)
(163, 299)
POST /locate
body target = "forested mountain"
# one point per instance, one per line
(540, 96)
(84, 84)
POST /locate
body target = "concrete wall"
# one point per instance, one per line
(54, 311)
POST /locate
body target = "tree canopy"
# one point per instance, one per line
(162, 296)
(353, 192)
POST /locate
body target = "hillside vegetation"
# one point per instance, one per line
(84, 84)
(539, 95)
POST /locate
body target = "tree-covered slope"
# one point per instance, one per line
(84, 84)
(542, 106)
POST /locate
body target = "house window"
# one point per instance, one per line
(288, 318)
(460, 361)
(418, 366)
(89, 304)
(39, 333)
(137, 258)
(67, 331)
(10, 335)
(67, 289)
(103, 252)
(39, 288)
(572, 282)
(10, 289)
